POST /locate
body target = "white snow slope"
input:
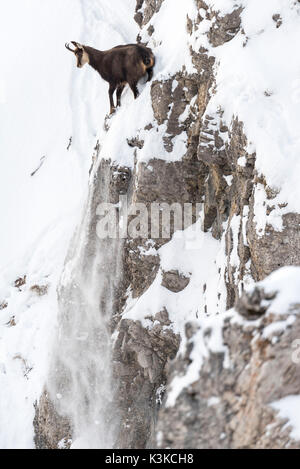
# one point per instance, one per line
(45, 100)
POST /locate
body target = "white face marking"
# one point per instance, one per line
(84, 60)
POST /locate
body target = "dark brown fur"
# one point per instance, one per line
(118, 66)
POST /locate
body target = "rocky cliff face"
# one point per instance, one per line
(230, 405)
(175, 387)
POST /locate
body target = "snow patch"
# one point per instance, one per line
(289, 408)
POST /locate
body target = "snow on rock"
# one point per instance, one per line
(284, 284)
(261, 87)
(289, 408)
(194, 253)
(171, 43)
(235, 371)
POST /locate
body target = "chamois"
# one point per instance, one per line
(117, 66)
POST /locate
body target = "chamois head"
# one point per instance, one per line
(80, 53)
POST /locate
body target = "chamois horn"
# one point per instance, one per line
(67, 46)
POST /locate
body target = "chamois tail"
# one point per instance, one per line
(147, 58)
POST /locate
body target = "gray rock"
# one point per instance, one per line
(225, 28)
(255, 304)
(50, 427)
(174, 281)
(229, 408)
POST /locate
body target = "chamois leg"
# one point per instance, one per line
(112, 88)
(133, 86)
(119, 93)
